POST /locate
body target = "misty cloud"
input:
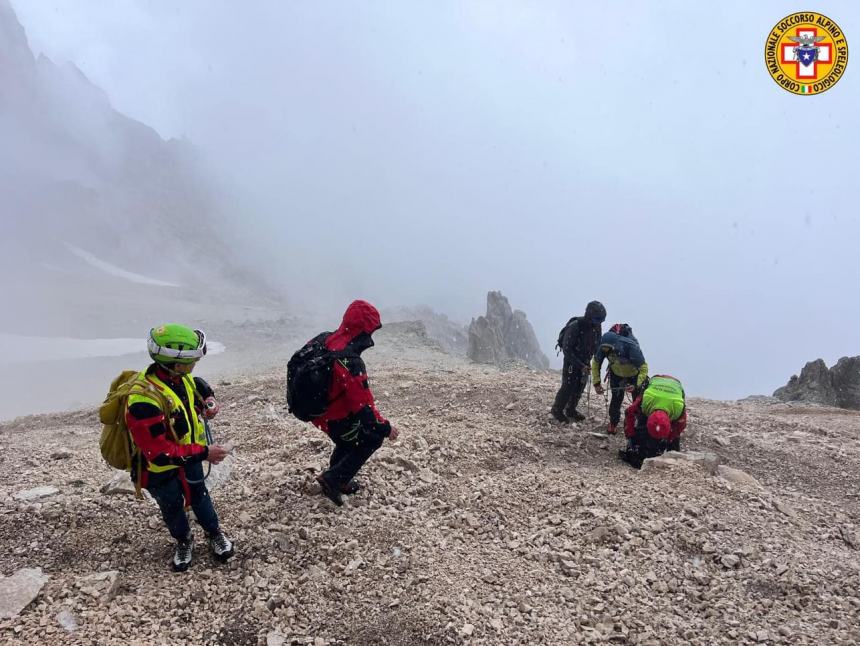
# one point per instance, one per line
(425, 153)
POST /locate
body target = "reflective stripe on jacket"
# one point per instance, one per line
(189, 444)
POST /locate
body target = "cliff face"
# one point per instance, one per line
(504, 335)
(92, 198)
(837, 386)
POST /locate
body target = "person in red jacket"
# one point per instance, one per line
(655, 421)
(351, 419)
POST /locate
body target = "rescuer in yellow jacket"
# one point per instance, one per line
(627, 368)
(168, 429)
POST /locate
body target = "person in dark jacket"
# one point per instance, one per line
(578, 342)
(167, 419)
(655, 420)
(627, 368)
(351, 419)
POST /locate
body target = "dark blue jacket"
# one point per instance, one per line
(625, 358)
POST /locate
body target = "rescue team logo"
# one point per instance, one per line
(806, 53)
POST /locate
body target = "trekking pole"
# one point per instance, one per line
(588, 395)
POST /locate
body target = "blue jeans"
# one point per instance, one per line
(167, 492)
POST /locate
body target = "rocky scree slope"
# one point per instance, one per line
(486, 523)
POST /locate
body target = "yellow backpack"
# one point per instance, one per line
(115, 443)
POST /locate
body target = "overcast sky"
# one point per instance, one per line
(425, 152)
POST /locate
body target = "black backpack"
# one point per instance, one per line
(309, 373)
(559, 345)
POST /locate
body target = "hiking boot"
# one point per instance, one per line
(575, 415)
(559, 416)
(329, 490)
(182, 555)
(631, 457)
(612, 429)
(221, 546)
(351, 487)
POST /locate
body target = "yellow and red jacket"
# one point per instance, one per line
(169, 439)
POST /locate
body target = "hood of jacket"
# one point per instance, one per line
(360, 318)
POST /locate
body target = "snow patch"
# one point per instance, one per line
(16, 348)
(113, 270)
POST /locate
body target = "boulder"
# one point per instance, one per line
(36, 493)
(220, 473)
(119, 485)
(19, 590)
(671, 459)
(504, 335)
(102, 585)
(737, 476)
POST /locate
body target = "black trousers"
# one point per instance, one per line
(354, 442)
(167, 491)
(573, 380)
(618, 386)
(642, 446)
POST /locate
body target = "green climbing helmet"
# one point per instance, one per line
(172, 343)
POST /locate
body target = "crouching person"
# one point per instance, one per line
(654, 422)
(166, 420)
(350, 418)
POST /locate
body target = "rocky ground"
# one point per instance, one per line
(485, 523)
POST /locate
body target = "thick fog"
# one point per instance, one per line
(411, 152)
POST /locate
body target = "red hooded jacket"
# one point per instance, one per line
(350, 391)
(635, 415)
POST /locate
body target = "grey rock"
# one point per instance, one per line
(220, 473)
(407, 464)
(784, 508)
(504, 335)
(845, 377)
(736, 475)
(838, 386)
(19, 590)
(281, 540)
(36, 493)
(813, 385)
(102, 585)
(671, 459)
(67, 620)
(452, 337)
(119, 485)
(599, 534)
(275, 638)
(730, 561)
(851, 538)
